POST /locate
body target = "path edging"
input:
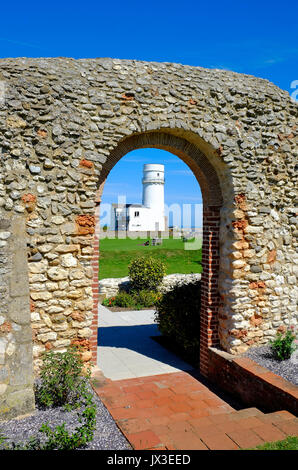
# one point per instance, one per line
(252, 383)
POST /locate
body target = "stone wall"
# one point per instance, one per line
(109, 287)
(65, 123)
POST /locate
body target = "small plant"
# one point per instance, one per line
(62, 383)
(60, 438)
(2, 441)
(135, 300)
(147, 298)
(146, 273)
(109, 301)
(283, 345)
(62, 379)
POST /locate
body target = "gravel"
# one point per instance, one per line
(107, 435)
(287, 369)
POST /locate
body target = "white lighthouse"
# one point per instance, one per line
(150, 215)
(153, 193)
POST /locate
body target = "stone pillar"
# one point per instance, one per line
(16, 361)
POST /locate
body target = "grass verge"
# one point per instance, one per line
(290, 443)
(116, 255)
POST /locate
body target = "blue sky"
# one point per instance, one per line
(254, 37)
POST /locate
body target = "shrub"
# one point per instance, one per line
(60, 438)
(283, 345)
(123, 299)
(146, 273)
(135, 299)
(146, 298)
(62, 379)
(62, 383)
(178, 316)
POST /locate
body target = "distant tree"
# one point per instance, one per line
(105, 228)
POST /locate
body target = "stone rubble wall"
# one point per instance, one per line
(65, 123)
(110, 287)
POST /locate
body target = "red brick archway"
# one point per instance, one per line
(212, 202)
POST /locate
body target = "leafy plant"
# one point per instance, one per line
(134, 299)
(283, 345)
(60, 438)
(62, 379)
(146, 273)
(2, 441)
(146, 298)
(178, 316)
(63, 382)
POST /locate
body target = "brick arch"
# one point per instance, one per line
(190, 153)
(209, 182)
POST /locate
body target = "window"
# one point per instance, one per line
(137, 213)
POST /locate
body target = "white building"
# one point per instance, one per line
(148, 216)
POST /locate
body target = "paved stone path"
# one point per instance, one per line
(173, 410)
(126, 348)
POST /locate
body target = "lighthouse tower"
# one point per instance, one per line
(153, 194)
(148, 216)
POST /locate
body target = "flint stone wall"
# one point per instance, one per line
(65, 123)
(111, 286)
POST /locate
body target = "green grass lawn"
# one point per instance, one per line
(116, 254)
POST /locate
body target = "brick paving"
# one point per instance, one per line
(175, 411)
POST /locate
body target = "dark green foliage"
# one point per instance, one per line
(146, 273)
(283, 345)
(178, 317)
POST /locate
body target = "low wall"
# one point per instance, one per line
(252, 383)
(111, 286)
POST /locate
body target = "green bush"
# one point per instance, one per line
(146, 298)
(62, 383)
(60, 438)
(62, 379)
(146, 273)
(283, 345)
(134, 299)
(123, 299)
(178, 317)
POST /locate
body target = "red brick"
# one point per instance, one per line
(187, 441)
(250, 422)
(219, 441)
(245, 438)
(288, 427)
(143, 440)
(134, 425)
(269, 433)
